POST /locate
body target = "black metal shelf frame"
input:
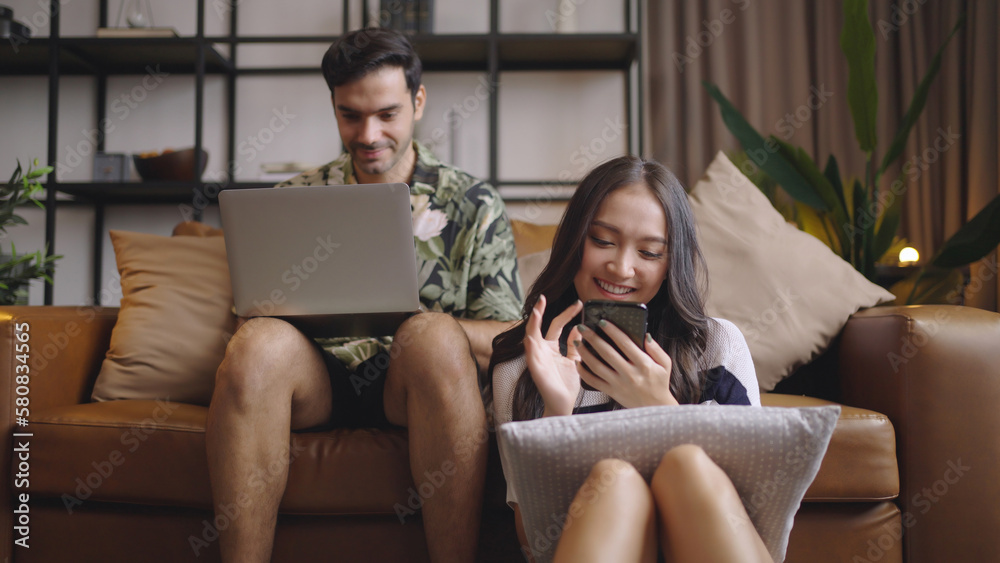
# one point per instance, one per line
(491, 52)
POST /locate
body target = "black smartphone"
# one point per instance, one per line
(630, 317)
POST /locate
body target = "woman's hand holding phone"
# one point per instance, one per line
(555, 375)
(639, 379)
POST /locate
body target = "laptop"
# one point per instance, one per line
(330, 260)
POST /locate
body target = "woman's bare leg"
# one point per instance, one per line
(701, 516)
(612, 518)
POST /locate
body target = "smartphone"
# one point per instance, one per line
(630, 317)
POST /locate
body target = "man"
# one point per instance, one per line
(274, 380)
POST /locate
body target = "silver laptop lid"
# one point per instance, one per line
(320, 250)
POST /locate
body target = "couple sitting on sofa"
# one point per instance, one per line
(628, 235)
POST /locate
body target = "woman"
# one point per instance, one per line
(628, 235)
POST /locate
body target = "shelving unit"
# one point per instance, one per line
(197, 55)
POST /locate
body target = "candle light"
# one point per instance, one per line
(908, 256)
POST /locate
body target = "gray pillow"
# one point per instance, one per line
(771, 454)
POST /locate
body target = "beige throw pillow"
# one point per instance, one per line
(788, 292)
(175, 317)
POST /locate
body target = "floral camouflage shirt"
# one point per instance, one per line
(466, 260)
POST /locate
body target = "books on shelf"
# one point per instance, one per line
(111, 32)
(408, 16)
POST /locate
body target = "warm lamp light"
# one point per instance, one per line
(908, 256)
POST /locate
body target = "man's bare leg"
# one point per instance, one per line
(432, 389)
(272, 380)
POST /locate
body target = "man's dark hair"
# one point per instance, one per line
(366, 50)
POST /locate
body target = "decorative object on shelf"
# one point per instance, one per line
(564, 17)
(408, 16)
(111, 167)
(9, 28)
(138, 16)
(169, 165)
(281, 171)
(17, 271)
(138, 13)
(112, 32)
(840, 213)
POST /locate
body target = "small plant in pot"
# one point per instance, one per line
(17, 270)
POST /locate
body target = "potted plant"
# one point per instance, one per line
(851, 216)
(17, 270)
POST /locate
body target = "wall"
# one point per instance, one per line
(551, 123)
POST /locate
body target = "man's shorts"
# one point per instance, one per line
(357, 397)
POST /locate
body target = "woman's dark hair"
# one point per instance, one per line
(366, 50)
(677, 317)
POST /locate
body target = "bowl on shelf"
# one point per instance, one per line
(169, 165)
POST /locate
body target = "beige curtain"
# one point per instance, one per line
(780, 63)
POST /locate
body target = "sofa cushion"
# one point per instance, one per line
(860, 462)
(175, 316)
(162, 459)
(788, 292)
(153, 452)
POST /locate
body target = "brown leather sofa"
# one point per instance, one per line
(911, 478)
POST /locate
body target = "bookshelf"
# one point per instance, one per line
(200, 55)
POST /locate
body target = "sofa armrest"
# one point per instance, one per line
(934, 370)
(65, 347)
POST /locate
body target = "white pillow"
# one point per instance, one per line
(787, 292)
(771, 454)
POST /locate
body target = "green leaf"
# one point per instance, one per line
(975, 239)
(917, 103)
(817, 225)
(15, 175)
(764, 154)
(820, 185)
(857, 41)
(859, 229)
(887, 227)
(32, 174)
(928, 286)
(808, 169)
(832, 173)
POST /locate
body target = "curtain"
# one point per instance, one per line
(780, 63)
